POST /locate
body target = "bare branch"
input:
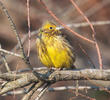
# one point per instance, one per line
(94, 9)
(92, 74)
(25, 58)
(65, 75)
(43, 90)
(85, 96)
(29, 33)
(10, 53)
(17, 83)
(84, 24)
(93, 34)
(57, 89)
(13, 26)
(5, 61)
(29, 94)
(21, 80)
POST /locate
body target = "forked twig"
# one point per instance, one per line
(13, 26)
(5, 61)
(30, 93)
(93, 34)
(85, 96)
(44, 89)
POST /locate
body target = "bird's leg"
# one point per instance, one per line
(50, 71)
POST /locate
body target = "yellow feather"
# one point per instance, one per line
(53, 49)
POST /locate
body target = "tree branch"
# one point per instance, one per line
(92, 74)
(21, 80)
(57, 89)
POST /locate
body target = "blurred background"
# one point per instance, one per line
(95, 10)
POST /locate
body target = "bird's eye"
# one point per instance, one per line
(51, 27)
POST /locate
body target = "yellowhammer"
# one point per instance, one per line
(53, 49)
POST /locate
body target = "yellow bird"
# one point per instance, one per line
(53, 48)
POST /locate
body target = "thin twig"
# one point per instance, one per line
(85, 96)
(63, 88)
(94, 9)
(5, 61)
(29, 33)
(65, 26)
(98, 85)
(43, 90)
(17, 46)
(87, 55)
(28, 69)
(13, 26)
(84, 24)
(24, 57)
(29, 94)
(93, 34)
(57, 89)
(10, 53)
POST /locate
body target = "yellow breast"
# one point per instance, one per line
(55, 52)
